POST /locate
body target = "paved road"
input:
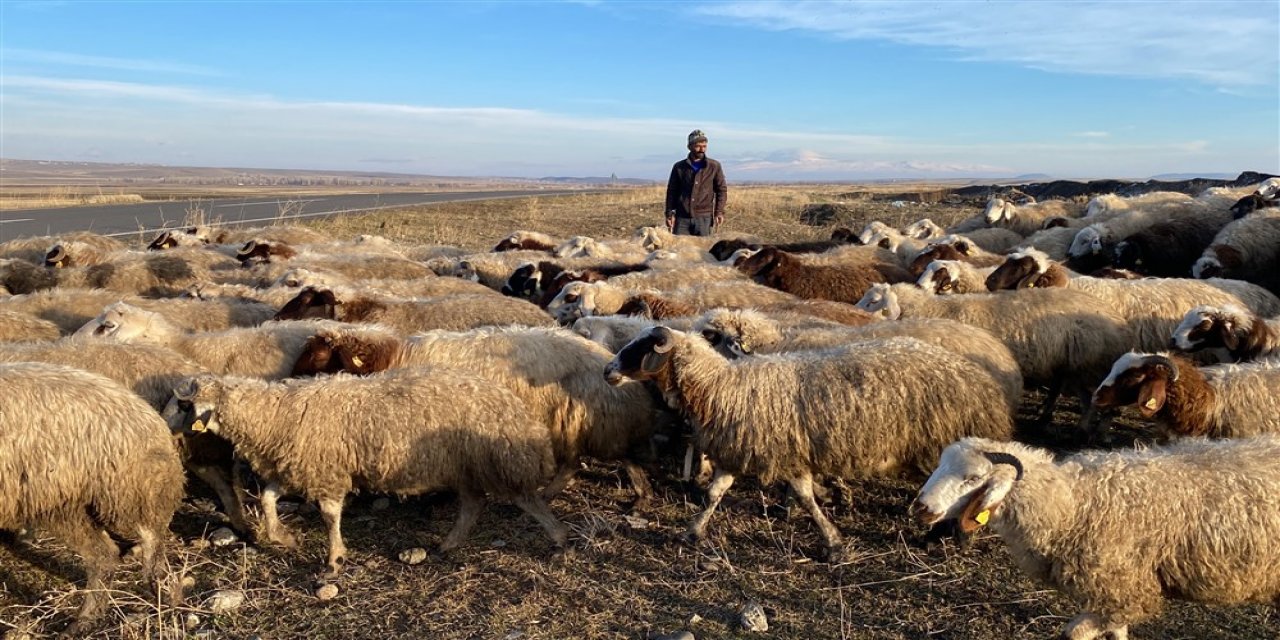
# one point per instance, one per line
(128, 219)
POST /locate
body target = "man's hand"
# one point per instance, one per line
(671, 223)
(718, 220)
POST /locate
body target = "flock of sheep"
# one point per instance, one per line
(333, 366)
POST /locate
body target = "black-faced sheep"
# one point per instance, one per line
(555, 372)
(844, 412)
(455, 312)
(1244, 335)
(1220, 401)
(82, 457)
(1120, 532)
(408, 433)
(1168, 249)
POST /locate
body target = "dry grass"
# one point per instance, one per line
(64, 197)
(627, 578)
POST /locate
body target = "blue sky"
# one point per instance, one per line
(786, 91)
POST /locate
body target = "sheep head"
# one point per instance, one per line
(57, 257)
(1138, 378)
(939, 251)
(525, 240)
(881, 301)
(923, 229)
(722, 249)
(164, 240)
(1208, 327)
(575, 300)
(1250, 203)
(845, 234)
(998, 210)
(523, 281)
(873, 228)
(193, 407)
(735, 333)
(1130, 254)
(762, 263)
(973, 478)
(1087, 241)
(939, 277)
(644, 358)
(311, 302)
(259, 251)
(123, 322)
(1021, 270)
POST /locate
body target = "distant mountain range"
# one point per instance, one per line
(597, 180)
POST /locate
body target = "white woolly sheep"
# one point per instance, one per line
(82, 458)
(411, 432)
(871, 408)
(1114, 203)
(1060, 337)
(1246, 249)
(1244, 335)
(737, 333)
(581, 299)
(555, 372)
(1153, 307)
(1120, 532)
(34, 249)
(145, 273)
(614, 332)
(1220, 401)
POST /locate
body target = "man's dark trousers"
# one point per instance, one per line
(697, 226)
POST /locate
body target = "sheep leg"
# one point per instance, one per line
(719, 485)
(1090, 626)
(802, 489)
(1050, 401)
(639, 483)
(222, 485)
(560, 482)
(535, 506)
(469, 507)
(275, 531)
(100, 556)
(331, 512)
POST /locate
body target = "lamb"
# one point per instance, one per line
(16, 326)
(1220, 401)
(1244, 335)
(947, 277)
(527, 240)
(1153, 307)
(785, 272)
(1027, 219)
(408, 433)
(455, 312)
(540, 282)
(842, 412)
(904, 247)
(489, 269)
(1246, 249)
(1169, 249)
(723, 249)
(553, 371)
(737, 333)
(1060, 337)
(102, 462)
(1118, 532)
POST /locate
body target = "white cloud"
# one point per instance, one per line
(810, 164)
(10, 55)
(1218, 43)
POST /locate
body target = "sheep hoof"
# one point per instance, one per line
(281, 538)
(691, 537)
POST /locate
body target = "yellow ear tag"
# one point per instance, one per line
(198, 426)
(57, 265)
(357, 362)
(982, 518)
(1151, 403)
(1031, 285)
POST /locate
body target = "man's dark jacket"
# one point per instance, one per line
(698, 194)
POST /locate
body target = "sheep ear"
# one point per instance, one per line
(963, 247)
(973, 516)
(1151, 397)
(1229, 338)
(654, 361)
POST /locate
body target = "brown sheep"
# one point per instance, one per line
(453, 312)
(842, 283)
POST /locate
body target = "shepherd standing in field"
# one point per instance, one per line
(696, 191)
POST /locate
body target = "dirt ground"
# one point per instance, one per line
(627, 577)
